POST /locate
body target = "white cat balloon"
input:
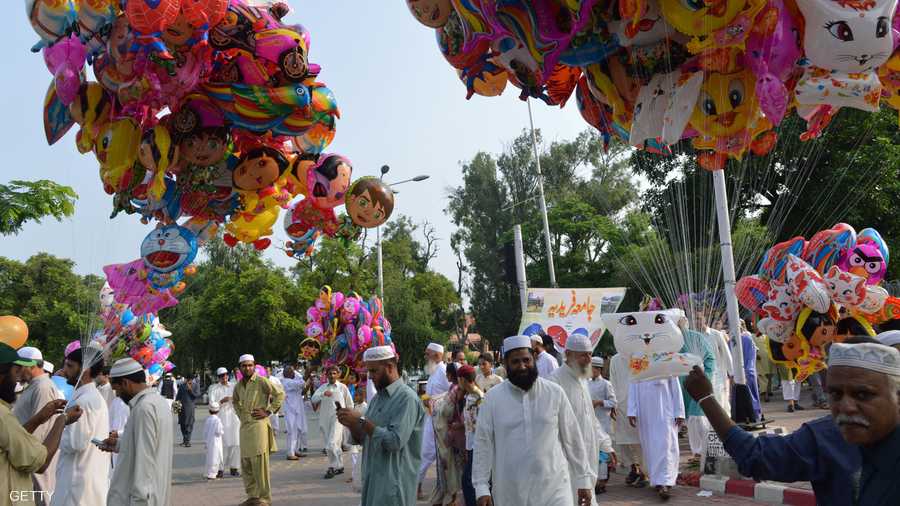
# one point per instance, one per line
(652, 342)
(664, 106)
(845, 42)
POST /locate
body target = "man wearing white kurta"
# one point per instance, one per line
(118, 417)
(294, 412)
(437, 385)
(527, 439)
(657, 408)
(143, 473)
(603, 397)
(323, 400)
(626, 439)
(572, 377)
(222, 393)
(39, 391)
(545, 362)
(724, 367)
(82, 473)
(274, 417)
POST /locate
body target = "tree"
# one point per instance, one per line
(58, 305)
(588, 193)
(22, 201)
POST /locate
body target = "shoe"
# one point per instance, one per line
(632, 477)
(324, 452)
(798, 407)
(664, 493)
(330, 473)
(220, 474)
(790, 408)
(187, 445)
(235, 472)
(339, 470)
(642, 482)
(599, 490)
(293, 457)
(210, 478)
(304, 450)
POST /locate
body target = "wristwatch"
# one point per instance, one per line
(362, 422)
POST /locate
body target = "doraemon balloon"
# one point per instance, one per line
(166, 252)
(652, 341)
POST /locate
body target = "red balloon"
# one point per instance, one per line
(151, 16)
(204, 12)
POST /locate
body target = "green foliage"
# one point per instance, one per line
(23, 201)
(57, 304)
(238, 303)
(587, 195)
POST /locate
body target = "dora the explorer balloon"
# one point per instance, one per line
(728, 119)
(369, 202)
(258, 180)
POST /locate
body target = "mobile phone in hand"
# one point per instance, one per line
(98, 442)
(337, 405)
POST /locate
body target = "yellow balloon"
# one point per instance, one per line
(13, 331)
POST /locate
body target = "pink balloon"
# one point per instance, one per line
(771, 56)
(65, 60)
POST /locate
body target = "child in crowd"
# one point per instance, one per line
(212, 434)
(360, 406)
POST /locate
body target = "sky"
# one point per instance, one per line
(401, 105)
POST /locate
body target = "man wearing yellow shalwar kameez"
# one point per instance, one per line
(255, 398)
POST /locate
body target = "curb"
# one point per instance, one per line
(767, 492)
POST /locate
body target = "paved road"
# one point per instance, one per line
(300, 482)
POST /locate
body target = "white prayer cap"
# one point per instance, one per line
(596, 361)
(220, 371)
(48, 367)
(872, 356)
(213, 406)
(435, 347)
(246, 357)
(30, 353)
(536, 338)
(124, 367)
(889, 338)
(376, 353)
(579, 342)
(515, 342)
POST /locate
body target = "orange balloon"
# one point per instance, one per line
(13, 331)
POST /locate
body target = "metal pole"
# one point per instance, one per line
(520, 267)
(541, 201)
(380, 265)
(728, 275)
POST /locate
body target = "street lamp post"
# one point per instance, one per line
(384, 170)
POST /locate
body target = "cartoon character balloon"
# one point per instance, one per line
(652, 341)
(369, 202)
(167, 252)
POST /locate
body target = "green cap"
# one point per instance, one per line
(8, 355)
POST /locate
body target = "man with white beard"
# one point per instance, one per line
(657, 408)
(294, 412)
(527, 439)
(222, 393)
(572, 377)
(437, 385)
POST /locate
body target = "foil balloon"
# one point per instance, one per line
(652, 342)
(369, 202)
(823, 250)
(773, 49)
(431, 13)
(65, 60)
(51, 19)
(167, 252)
(148, 19)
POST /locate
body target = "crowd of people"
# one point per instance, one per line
(542, 427)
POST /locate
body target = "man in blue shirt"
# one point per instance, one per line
(815, 452)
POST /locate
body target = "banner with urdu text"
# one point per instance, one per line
(560, 312)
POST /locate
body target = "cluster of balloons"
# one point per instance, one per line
(341, 327)
(205, 111)
(808, 294)
(139, 336)
(652, 72)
